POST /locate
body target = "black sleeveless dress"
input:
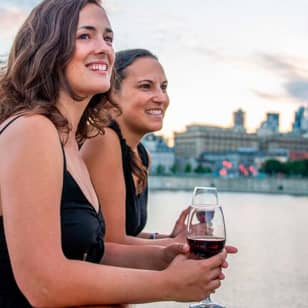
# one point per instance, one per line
(136, 204)
(82, 233)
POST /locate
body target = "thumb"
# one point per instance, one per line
(179, 248)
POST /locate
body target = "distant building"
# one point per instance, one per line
(270, 126)
(162, 156)
(300, 124)
(239, 120)
(230, 163)
(199, 138)
(244, 161)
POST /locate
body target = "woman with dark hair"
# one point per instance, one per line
(52, 250)
(118, 162)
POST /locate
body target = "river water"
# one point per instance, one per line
(271, 233)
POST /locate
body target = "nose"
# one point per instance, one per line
(161, 97)
(103, 47)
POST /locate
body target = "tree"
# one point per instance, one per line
(200, 169)
(174, 169)
(188, 168)
(160, 169)
(273, 166)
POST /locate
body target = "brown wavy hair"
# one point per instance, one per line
(123, 59)
(34, 74)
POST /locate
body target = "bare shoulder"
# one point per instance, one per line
(101, 144)
(30, 126)
(32, 135)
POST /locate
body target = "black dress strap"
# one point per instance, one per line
(10, 122)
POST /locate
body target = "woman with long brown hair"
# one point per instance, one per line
(118, 162)
(52, 250)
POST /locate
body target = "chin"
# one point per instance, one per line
(154, 128)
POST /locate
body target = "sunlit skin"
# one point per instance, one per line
(88, 72)
(143, 99)
(90, 68)
(32, 184)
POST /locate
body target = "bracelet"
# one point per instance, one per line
(153, 236)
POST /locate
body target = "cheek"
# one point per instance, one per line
(167, 102)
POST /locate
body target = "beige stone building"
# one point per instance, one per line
(199, 138)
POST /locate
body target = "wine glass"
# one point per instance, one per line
(206, 233)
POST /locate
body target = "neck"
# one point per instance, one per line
(131, 136)
(72, 110)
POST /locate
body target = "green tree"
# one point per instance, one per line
(200, 169)
(188, 168)
(160, 169)
(272, 167)
(174, 169)
(296, 167)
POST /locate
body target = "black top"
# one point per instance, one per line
(136, 204)
(82, 232)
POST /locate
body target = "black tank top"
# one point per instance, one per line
(136, 204)
(82, 233)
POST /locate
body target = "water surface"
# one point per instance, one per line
(271, 233)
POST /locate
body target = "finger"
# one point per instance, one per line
(214, 284)
(217, 260)
(182, 217)
(224, 264)
(179, 248)
(215, 273)
(181, 257)
(231, 249)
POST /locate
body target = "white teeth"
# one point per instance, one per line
(154, 111)
(98, 67)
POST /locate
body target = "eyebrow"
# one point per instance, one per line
(151, 81)
(92, 28)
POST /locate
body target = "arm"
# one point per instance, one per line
(31, 169)
(178, 233)
(103, 158)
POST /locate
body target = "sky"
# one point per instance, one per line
(218, 55)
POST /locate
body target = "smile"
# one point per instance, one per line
(98, 67)
(156, 112)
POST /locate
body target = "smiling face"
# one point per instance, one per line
(142, 97)
(89, 70)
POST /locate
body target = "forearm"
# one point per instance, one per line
(156, 238)
(135, 256)
(94, 284)
(143, 239)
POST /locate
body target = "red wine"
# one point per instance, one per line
(206, 247)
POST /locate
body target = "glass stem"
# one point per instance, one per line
(207, 300)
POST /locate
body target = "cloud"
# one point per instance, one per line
(269, 96)
(290, 67)
(298, 89)
(294, 74)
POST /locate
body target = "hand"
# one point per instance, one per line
(171, 251)
(228, 249)
(193, 280)
(179, 229)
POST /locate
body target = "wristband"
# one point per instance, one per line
(153, 236)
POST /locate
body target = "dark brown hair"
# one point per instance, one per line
(34, 74)
(123, 59)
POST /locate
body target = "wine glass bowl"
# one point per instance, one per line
(206, 233)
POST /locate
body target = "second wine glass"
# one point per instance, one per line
(206, 233)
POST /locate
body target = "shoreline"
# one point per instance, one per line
(286, 186)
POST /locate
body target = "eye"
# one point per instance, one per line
(108, 39)
(164, 87)
(84, 36)
(145, 86)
